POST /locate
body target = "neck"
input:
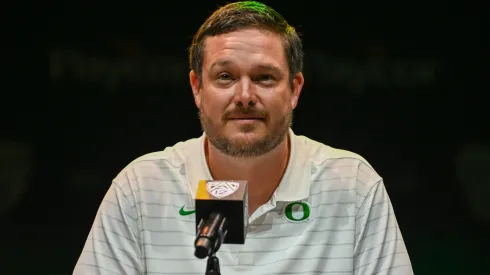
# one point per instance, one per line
(263, 173)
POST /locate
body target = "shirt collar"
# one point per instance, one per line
(294, 186)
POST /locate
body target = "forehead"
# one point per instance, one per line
(245, 47)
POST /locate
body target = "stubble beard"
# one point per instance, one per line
(246, 149)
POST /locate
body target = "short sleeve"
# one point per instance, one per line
(379, 246)
(112, 246)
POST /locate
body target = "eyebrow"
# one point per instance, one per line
(267, 67)
(222, 62)
(271, 68)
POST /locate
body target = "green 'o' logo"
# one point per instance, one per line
(297, 211)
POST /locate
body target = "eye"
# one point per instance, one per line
(265, 79)
(224, 77)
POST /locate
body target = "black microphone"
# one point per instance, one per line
(221, 215)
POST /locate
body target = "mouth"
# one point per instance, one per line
(246, 118)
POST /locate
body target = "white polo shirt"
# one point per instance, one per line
(330, 215)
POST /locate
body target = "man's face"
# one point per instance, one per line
(245, 100)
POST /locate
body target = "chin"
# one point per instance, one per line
(246, 136)
(246, 131)
(238, 136)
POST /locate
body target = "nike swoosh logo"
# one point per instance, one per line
(182, 212)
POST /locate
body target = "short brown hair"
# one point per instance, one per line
(243, 15)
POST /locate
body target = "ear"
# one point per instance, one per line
(196, 88)
(296, 87)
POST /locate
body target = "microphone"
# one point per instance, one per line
(221, 215)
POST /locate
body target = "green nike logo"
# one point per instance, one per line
(182, 212)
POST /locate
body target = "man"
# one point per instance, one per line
(313, 209)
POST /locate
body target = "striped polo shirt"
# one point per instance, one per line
(330, 214)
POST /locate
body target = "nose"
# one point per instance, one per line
(245, 94)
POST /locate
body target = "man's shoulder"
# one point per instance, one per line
(341, 162)
(164, 164)
(173, 155)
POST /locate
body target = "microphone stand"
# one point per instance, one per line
(210, 237)
(212, 266)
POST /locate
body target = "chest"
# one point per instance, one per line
(290, 237)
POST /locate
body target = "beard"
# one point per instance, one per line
(242, 148)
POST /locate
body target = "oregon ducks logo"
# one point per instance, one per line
(297, 211)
